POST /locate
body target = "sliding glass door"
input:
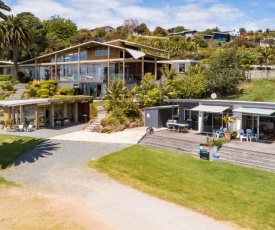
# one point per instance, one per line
(211, 121)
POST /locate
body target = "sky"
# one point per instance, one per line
(192, 14)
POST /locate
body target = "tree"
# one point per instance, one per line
(38, 31)
(82, 36)
(3, 6)
(116, 93)
(59, 32)
(176, 29)
(142, 29)
(130, 24)
(168, 73)
(265, 55)
(159, 31)
(16, 35)
(224, 73)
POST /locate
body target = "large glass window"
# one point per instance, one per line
(83, 56)
(29, 113)
(194, 116)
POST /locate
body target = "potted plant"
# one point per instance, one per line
(150, 130)
(227, 119)
(2, 124)
(8, 123)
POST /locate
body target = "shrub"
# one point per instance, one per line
(94, 111)
(76, 91)
(22, 78)
(5, 77)
(2, 122)
(258, 99)
(106, 130)
(45, 85)
(8, 121)
(44, 92)
(65, 91)
(8, 86)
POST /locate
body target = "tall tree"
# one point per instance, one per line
(3, 6)
(224, 73)
(59, 32)
(16, 35)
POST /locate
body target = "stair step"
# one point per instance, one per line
(189, 145)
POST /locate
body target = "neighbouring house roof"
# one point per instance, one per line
(184, 32)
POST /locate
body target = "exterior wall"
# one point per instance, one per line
(114, 53)
(151, 118)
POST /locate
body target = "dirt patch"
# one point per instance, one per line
(246, 85)
(23, 209)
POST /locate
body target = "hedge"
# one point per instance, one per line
(5, 77)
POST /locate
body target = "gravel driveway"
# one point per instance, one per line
(59, 167)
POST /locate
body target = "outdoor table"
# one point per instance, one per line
(180, 127)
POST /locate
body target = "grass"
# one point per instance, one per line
(100, 103)
(2, 82)
(240, 195)
(12, 147)
(263, 88)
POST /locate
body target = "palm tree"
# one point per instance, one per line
(3, 6)
(265, 54)
(16, 35)
(117, 92)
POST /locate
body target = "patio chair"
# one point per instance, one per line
(30, 128)
(21, 128)
(242, 135)
(219, 132)
(251, 135)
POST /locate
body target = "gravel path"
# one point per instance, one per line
(59, 167)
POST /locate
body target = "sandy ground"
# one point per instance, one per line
(24, 209)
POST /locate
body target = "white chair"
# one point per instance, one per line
(242, 135)
(251, 135)
(21, 128)
(30, 128)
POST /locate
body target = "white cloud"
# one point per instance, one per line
(193, 14)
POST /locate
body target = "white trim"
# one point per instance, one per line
(255, 111)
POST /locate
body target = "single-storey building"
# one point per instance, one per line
(46, 112)
(207, 115)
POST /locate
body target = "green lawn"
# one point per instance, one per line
(2, 82)
(226, 192)
(263, 88)
(100, 103)
(12, 147)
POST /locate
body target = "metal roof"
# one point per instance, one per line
(257, 111)
(253, 104)
(210, 108)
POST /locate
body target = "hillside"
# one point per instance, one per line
(257, 90)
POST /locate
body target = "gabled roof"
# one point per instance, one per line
(94, 44)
